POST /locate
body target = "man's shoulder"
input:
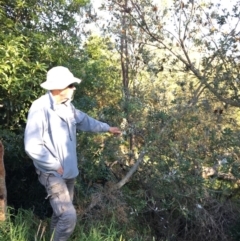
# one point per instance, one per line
(41, 102)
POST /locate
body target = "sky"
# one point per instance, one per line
(104, 15)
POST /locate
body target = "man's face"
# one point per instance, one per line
(67, 93)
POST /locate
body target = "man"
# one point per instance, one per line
(50, 141)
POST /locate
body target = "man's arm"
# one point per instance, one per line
(87, 123)
(34, 142)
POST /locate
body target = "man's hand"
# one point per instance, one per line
(60, 170)
(114, 130)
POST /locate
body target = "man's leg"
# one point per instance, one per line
(70, 186)
(64, 213)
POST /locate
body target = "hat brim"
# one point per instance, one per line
(59, 86)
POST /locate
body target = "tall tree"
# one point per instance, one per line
(174, 113)
(200, 37)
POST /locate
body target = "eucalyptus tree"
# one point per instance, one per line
(201, 40)
(135, 65)
(200, 43)
(197, 44)
(200, 35)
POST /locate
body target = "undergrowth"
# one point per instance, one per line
(25, 226)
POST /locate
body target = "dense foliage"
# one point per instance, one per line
(168, 75)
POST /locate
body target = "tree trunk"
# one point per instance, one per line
(3, 190)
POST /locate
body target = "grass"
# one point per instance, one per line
(17, 227)
(25, 226)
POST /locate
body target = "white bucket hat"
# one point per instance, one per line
(58, 78)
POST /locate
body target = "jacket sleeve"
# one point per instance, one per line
(34, 143)
(87, 123)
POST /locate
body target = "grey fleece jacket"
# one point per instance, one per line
(50, 135)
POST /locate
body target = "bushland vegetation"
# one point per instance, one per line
(168, 74)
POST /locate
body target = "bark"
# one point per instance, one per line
(3, 190)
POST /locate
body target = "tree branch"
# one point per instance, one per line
(130, 172)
